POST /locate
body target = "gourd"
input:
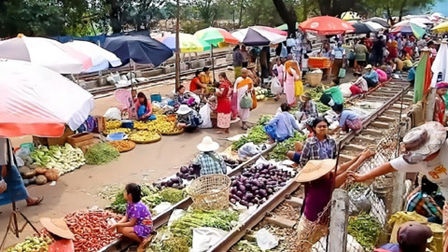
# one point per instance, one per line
(52, 174)
(41, 179)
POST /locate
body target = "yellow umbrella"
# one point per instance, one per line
(442, 27)
(350, 15)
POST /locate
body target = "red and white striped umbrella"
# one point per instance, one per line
(35, 100)
(45, 52)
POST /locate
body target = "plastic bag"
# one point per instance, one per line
(246, 101)
(248, 150)
(113, 114)
(204, 112)
(276, 88)
(177, 213)
(341, 73)
(205, 237)
(298, 87)
(162, 207)
(266, 240)
(345, 89)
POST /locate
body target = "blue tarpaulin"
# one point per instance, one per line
(141, 49)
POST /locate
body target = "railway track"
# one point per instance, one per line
(394, 99)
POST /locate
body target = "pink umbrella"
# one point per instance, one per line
(271, 29)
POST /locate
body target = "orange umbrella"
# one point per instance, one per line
(326, 25)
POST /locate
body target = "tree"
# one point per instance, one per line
(207, 9)
(288, 15)
(398, 7)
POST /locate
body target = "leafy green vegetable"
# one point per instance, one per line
(279, 152)
(101, 153)
(256, 135)
(264, 119)
(184, 226)
(365, 229)
(63, 158)
(149, 197)
(165, 242)
(246, 246)
(172, 195)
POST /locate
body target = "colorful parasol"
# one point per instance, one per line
(361, 28)
(260, 35)
(187, 43)
(326, 25)
(441, 28)
(423, 77)
(38, 101)
(45, 52)
(411, 28)
(375, 25)
(101, 58)
(213, 36)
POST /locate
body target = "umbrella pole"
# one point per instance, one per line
(213, 62)
(177, 47)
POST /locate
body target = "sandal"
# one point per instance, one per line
(35, 202)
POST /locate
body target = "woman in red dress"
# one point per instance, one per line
(224, 110)
(439, 103)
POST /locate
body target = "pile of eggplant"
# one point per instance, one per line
(256, 184)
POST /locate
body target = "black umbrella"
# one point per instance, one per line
(381, 21)
(139, 49)
(362, 28)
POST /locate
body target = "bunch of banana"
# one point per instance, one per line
(113, 124)
(143, 136)
(111, 131)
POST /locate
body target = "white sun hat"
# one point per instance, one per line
(183, 109)
(208, 144)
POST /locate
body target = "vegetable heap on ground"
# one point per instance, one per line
(256, 184)
(40, 243)
(365, 229)
(179, 236)
(144, 136)
(113, 124)
(91, 229)
(150, 197)
(279, 152)
(117, 130)
(316, 93)
(162, 125)
(101, 153)
(63, 158)
(256, 135)
(122, 145)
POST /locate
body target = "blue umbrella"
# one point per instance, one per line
(139, 49)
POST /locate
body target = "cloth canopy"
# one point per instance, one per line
(45, 52)
(101, 58)
(214, 36)
(326, 25)
(260, 35)
(361, 28)
(187, 43)
(140, 49)
(440, 65)
(35, 100)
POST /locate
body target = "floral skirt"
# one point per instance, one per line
(223, 120)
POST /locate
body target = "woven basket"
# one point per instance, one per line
(210, 192)
(314, 79)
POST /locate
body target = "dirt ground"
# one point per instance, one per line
(146, 163)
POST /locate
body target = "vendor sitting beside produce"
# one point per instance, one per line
(371, 76)
(282, 126)
(348, 119)
(204, 76)
(196, 86)
(320, 180)
(188, 118)
(426, 201)
(208, 160)
(359, 85)
(411, 236)
(181, 97)
(143, 107)
(308, 107)
(137, 223)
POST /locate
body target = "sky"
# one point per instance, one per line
(442, 7)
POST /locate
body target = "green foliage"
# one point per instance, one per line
(256, 135)
(279, 152)
(365, 229)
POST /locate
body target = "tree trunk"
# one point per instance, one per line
(241, 13)
(403, 4)
(114, 16)
(305, 9)
(288, 16)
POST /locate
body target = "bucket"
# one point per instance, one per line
(127, 124)
(29, 146)
(156, 97)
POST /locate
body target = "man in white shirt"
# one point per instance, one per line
(338, 57)
(426, 152)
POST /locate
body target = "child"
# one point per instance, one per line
(137, 223)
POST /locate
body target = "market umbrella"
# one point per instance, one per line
(326, 25)
(383, 22)
(258, 36)
(284, 27)
(408, 23)
(350, 15)
(442, 27)
(213, 36)
(101, 58)
(440, 64)
(361, 28)
(45, 52)
(187, 43)
(140, 49)
(375, 26)
(414, 29)
(38, 101)
(423, 77)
